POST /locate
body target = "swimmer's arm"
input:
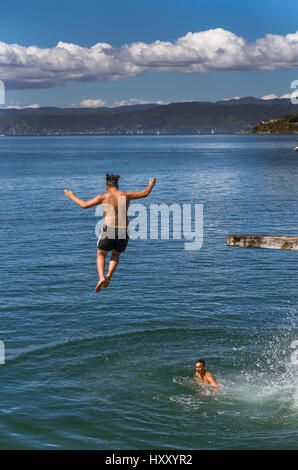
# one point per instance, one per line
(213, 382)
(141, 194)
(84, 204)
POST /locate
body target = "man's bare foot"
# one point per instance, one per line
(107, 280)
(100, 284)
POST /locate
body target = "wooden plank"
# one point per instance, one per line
(276, 242)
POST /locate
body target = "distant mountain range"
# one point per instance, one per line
(226, 116)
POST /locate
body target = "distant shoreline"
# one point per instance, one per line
(189, 118)
(151, 134)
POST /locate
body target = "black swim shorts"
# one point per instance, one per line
(113, 239)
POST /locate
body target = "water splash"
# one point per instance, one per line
(258, 380)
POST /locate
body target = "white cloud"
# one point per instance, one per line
(98, 103)
(269, 97)
(228, 99)
(133, 101)
(18, 105)
(272, 96)
(200, 52)
(89, 103)
(35, 106)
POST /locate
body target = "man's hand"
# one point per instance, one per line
(68, 193)
(131, 195)
(152, 181)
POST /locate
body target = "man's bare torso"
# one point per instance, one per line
(115, 205)
(205, 379)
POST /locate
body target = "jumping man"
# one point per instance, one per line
(114, 235)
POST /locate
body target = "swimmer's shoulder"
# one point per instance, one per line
(209, 376)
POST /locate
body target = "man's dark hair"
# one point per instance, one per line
(112, 180)
(200, 360)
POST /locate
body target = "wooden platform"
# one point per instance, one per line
(275, 242)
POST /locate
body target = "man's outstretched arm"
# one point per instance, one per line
(140, 194)
(84, 204)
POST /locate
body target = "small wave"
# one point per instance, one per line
(185, 381)
(191, 383)
(188, 402)
(31, 350)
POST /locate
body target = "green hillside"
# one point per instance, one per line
(287, 124)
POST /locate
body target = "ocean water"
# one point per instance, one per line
(115, 370)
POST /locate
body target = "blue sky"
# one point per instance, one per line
(118, 23)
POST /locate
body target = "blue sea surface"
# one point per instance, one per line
(115, 370)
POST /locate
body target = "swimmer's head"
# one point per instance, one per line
(200, 365)
(112, 181)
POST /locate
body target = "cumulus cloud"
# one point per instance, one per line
(234, 98)
(269, 97)
(98, 103)
(17, 105)
(133, 101)
(89, 103)
(272, 96)
(34, 106)
(200, 52)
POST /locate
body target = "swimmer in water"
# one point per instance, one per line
(203, 376)
(114, 235)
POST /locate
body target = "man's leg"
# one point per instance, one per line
(101, 264)
(114, 260)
